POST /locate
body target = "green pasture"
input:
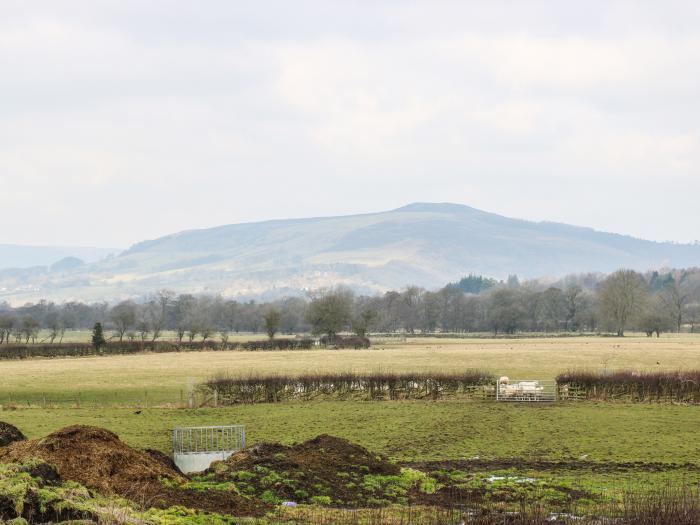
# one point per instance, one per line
(420, 430)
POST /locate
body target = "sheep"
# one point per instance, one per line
(523, 389)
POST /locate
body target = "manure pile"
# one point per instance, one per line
(9, 434)
(96, 458)
(99, 460)
(327, 470)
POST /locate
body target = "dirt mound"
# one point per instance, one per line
(325, 469)
(163, 459)
(9, 434)
(318, 456)
(98, 459)
(94, 457)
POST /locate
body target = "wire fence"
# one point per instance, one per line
(199, 398)
(106, 399)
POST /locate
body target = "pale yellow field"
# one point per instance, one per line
(169, 373)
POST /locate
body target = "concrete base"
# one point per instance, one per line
(198, 461)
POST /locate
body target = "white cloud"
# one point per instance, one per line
(187, 116)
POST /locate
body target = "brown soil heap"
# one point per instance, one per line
(323, 466)
(98, 459)
(9, 434)
(94, 457)
(319, 456)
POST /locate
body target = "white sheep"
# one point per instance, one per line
(529, 389)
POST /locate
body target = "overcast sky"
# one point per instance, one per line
(126, 120)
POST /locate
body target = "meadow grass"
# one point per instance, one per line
(163, 377)
(420, 430)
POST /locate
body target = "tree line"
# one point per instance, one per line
(652, 302)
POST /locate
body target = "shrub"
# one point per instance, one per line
(25, 351)
(680, 386)
(378, 386)
(337, 341)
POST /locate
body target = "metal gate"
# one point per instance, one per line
(195, 448)
(526, 390)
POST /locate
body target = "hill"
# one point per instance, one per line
(19, 256)
(424, 244)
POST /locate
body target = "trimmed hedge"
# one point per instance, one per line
(19, 351)
(680, 386)
(338, 341)
(378, 386)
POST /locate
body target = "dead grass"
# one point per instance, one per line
(170, 373)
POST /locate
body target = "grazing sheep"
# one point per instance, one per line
(523, 389)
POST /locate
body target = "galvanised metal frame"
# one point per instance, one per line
(205, 440)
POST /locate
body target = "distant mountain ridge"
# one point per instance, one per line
(21, 256)
(425, 244)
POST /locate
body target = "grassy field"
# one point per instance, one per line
(420, 430)
(162, 378)
(598, 447)
(537, 455)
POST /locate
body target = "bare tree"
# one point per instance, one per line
(329, 311)
(53, 323)
(30, 329)
(675, 296)
(17, 332)
(143, 330)
(363, 321)
(7, 322)
(656, 317)
(153, 314)
(573, 299)
(693, 315)
(504, 310)
(206, 331)
(228, 318)
(123, 315)
(199, 318)
(431, 308)
(68, 321)
(410, 306)
(272, 322)
(552, 309)
(622, 297)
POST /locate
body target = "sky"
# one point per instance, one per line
(126, 120)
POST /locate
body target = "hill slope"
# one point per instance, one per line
(423, 244)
